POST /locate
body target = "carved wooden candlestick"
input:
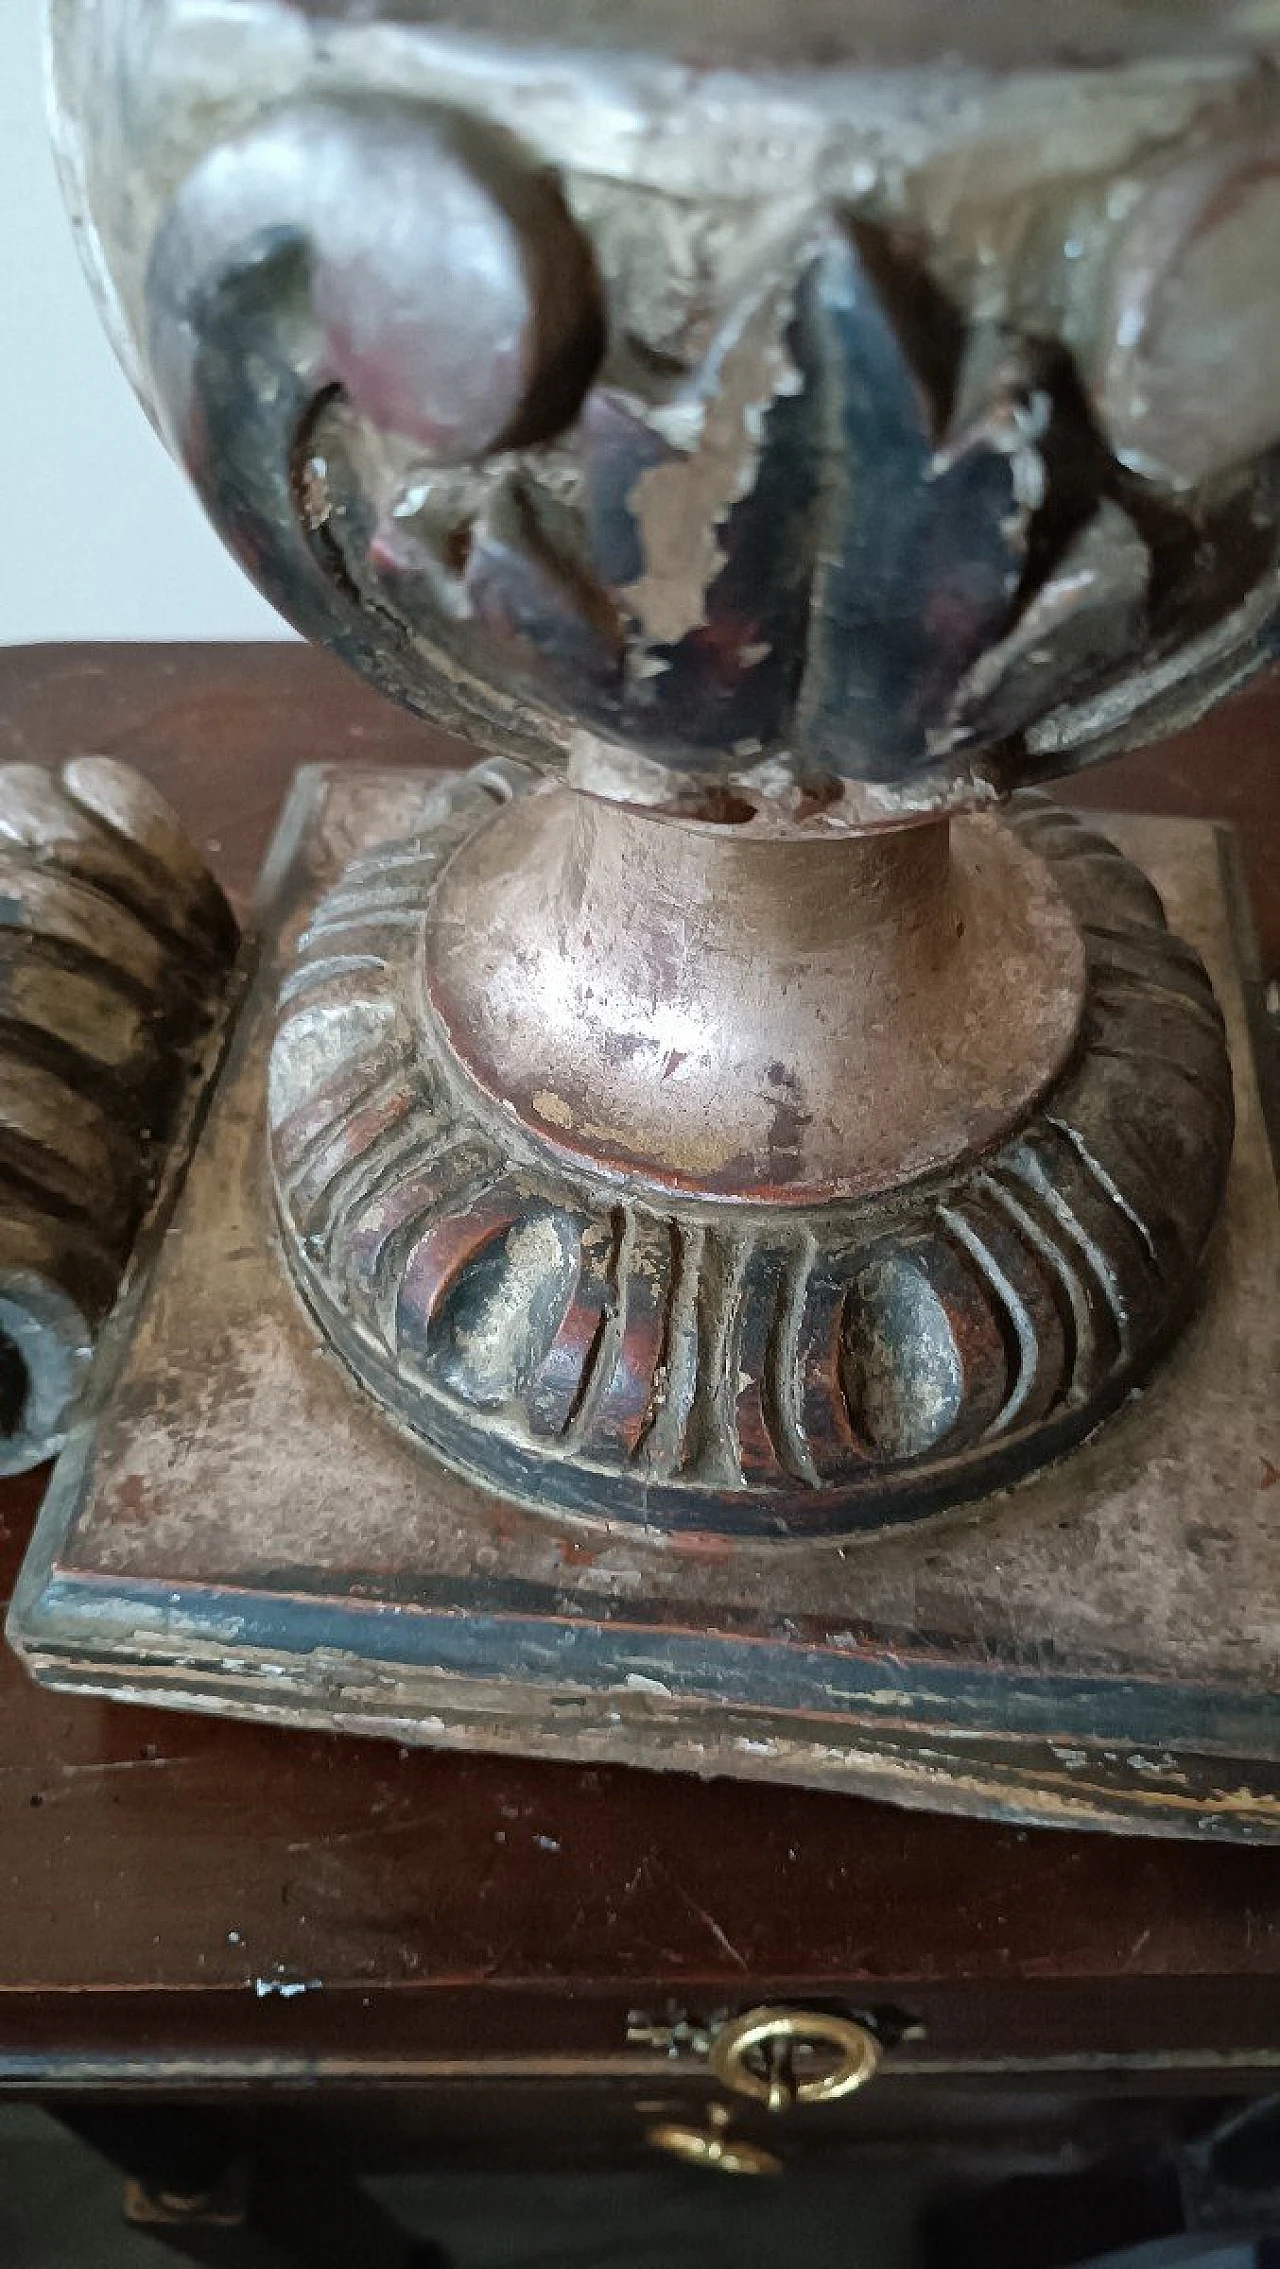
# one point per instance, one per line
(715, 1178)
(742, 1106)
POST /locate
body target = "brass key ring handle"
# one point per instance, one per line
(754, 2056)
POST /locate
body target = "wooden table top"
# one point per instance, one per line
(180, 1896)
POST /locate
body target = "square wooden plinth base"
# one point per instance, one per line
(236, 1526)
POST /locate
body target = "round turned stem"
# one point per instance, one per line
(741, 1014)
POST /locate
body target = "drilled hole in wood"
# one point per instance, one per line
(15, 1386)
(720, 807)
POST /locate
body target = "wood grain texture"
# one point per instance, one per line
(162, 1878)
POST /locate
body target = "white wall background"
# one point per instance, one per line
(99, 536)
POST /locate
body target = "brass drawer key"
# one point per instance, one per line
(713, 2146)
